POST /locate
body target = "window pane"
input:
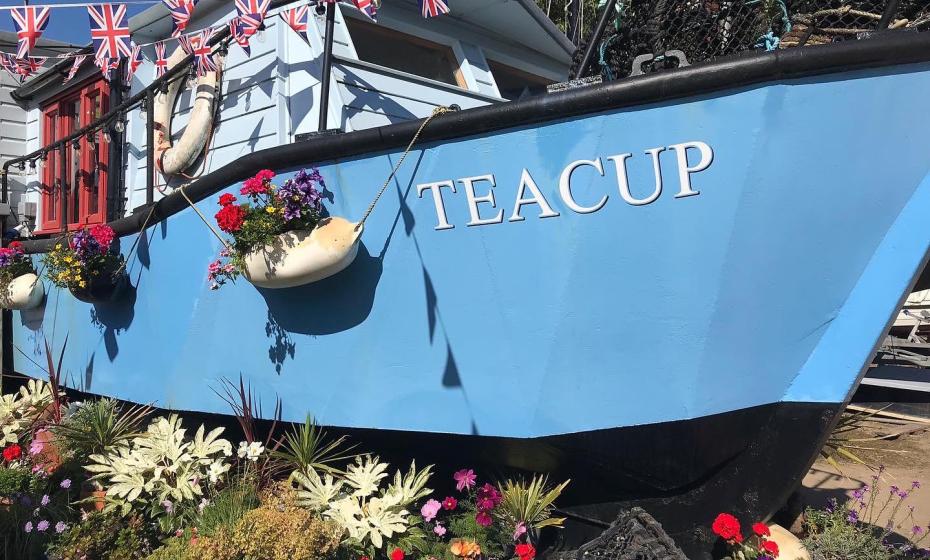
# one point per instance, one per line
(514, 84)
(386, 47)
(73, 112)
(92, 174)
(52, 169)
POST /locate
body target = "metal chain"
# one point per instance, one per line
(441, 110)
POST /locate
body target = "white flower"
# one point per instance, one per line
(250, 451)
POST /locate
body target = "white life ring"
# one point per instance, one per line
(176, 159)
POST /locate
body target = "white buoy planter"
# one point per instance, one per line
(300, 257)
(23, 292)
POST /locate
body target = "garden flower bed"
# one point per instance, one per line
(99, 479)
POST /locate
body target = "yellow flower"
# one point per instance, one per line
(270, 209)
(58, 246)
(68, 259)
(82, 284)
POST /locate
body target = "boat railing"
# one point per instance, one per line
(641, 36)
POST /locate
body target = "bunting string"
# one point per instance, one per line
(112, 40)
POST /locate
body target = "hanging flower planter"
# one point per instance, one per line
(88, 265)
(280, 239)
(20, 287)
(301, 257)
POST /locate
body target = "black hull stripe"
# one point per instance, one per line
(749, 68)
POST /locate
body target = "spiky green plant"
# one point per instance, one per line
(307, 447)
(530, 502)
(101, 425)
(840, 442)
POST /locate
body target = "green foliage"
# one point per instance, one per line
(307, 447)
(14, 480)
(100, 426)
(106, 535)
(531, 503)
(227, 507)
(832, 537)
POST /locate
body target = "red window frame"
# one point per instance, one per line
(85, 187)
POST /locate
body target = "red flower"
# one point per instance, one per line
(770, 547)
(230, 218)
(397, 554)
(761, 529)
(253, 186)
(12, 452)
(227, 199)
(525, 551)
(265, 175)
(16, 246)
(103, 234)
(727, 527)
(363, 558)
(449, 503)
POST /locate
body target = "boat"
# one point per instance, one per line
(664, 287)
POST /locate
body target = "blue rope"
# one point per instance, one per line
(605, 68)
(770, 41)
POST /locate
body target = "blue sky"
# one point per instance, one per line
(65, 24)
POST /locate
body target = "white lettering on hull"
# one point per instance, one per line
(528, 192)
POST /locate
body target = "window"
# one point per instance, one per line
(393, 49)
(514, 84)
(74, 179)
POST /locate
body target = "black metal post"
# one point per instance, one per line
(574, 27)
(327, 63)
(890, 9)
(595, 40)
(149, 146)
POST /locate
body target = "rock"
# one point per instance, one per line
(789, 546)
(634, 535)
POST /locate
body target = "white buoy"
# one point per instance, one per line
(23, 292)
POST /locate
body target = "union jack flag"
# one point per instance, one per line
(433, 8)
(106, 65)
(237, 32)
(252, 14)
(29, 65)
(181, 12)
(29, 22)
(8, 63)
(161, 61)
(135, 61)
(108, 31)
(203, 57)
(75, 66)
(369, 8)
(296, 19)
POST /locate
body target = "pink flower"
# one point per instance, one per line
(489, 497)
(253, 187)
(483, 519)
(430, 509)
(449, 503)
(439, 530)
(464, 479)
(36, 447)
(519, 531)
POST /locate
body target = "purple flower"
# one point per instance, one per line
(28, 527)
(45, 499)
(464, 479)
(853, 517)
(915, 485)
(42, 526)
(168, 505)
(66, 483)
(439, 530)
(430, 509)
(300, 195)
(61, 527)
(894, 489)
(86, 246)
(917, 529)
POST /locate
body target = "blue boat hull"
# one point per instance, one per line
(696, 299)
